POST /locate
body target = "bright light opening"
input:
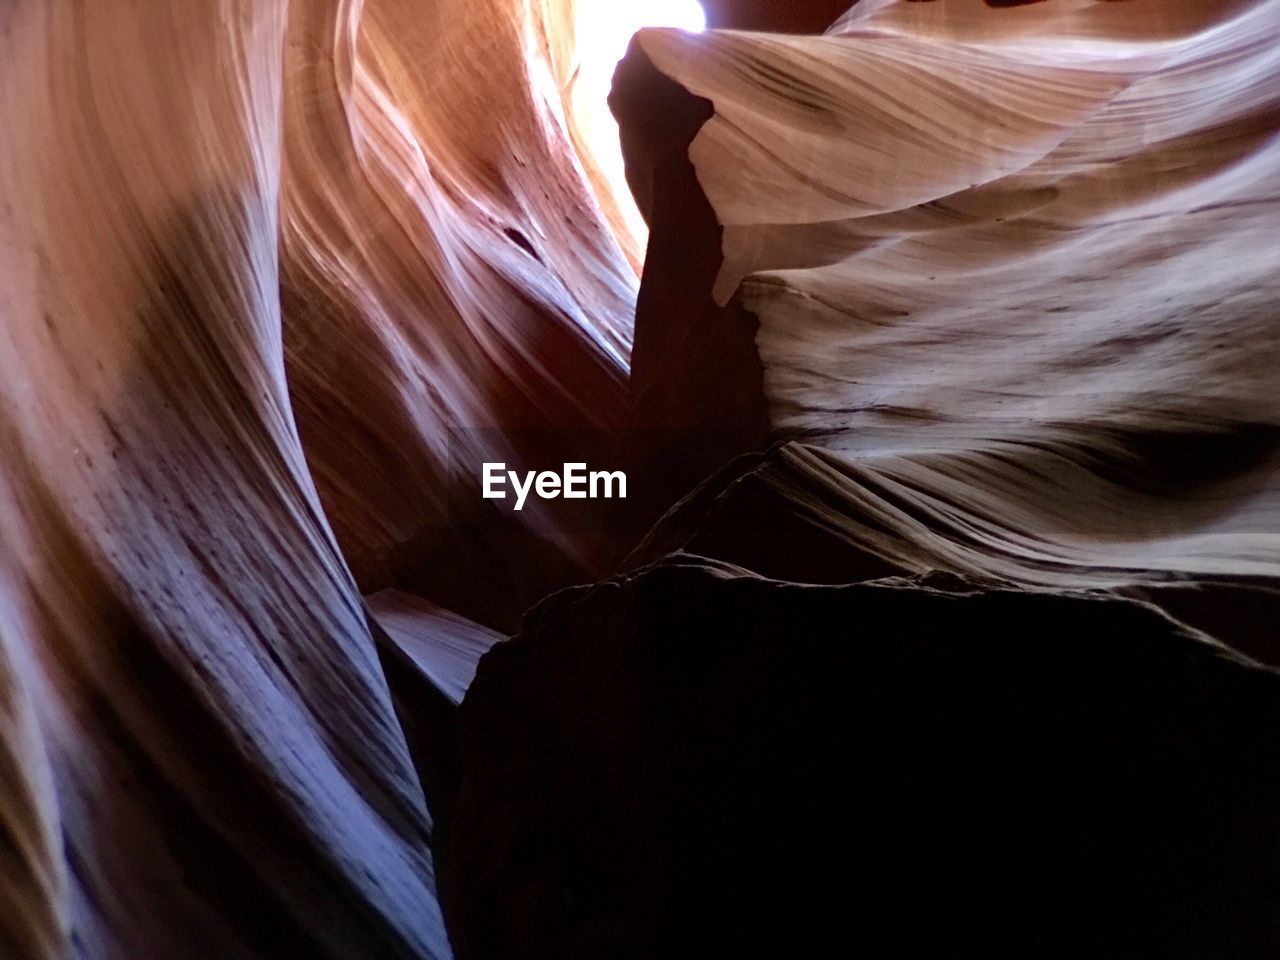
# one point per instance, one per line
(604, 29)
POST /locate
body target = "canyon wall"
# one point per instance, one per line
(950, 410)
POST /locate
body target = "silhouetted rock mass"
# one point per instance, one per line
(693, 761)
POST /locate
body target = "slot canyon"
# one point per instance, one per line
(927, 354)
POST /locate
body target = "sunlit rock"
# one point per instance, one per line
(954, 350)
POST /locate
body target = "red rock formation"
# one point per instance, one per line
(199, 744)
(1003, 347)
(1012, 328)
(451, 292)
(206, 748)
(978, 294)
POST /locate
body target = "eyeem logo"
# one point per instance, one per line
(573, 484)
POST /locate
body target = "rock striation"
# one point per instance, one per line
(948, 580)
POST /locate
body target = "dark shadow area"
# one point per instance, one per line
(685, 765)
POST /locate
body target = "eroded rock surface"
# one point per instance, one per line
(976, 296)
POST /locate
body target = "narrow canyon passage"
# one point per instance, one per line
(813, 482)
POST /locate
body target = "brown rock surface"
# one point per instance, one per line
(978, 295)
(1016, 322)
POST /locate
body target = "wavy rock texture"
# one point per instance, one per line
(452, 292)
(980, 297)
(218, 760)
(199, 742)
(1021, 317)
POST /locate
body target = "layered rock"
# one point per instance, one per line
(208, 753)
(270, 271)
(1012, 271)
(972, 296)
